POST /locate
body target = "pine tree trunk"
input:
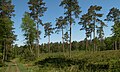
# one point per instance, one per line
(86, 43)
(115, 45)
(58, 46)
(70, 39)
(30, 44)
(94, 37)
(119, 44)
(90, 41)
(6, 52)
(31, 49)
(42, 48)
(49, 43)
(3, 59)
(70, 21)
(63, 39)
(37, 40)
(101, 42)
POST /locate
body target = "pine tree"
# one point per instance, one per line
(92, 11)
(48, 31)
(29, 28)
(60, 26)
(100, 30)
(66, 38)
(72, 10)
(114, 16)
(37, 8)
(85, 22)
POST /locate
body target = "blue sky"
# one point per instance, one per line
(54, 11)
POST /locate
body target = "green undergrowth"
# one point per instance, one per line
(103, 61)
(80, 61)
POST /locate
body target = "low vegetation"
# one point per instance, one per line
(104, 61)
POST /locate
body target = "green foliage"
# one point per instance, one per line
(60, 24)
(37, 8)
(48, 29)
(113, 16)
(25, 55)
(66, 37)
(1, 64)
(71, 7)
(109, 43)
(28, 27)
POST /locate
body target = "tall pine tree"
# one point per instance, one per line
(85, 22)
(114, 16)
(37, 8)
(72, 11)
(60, 26)
(48, 31)
(93, 12)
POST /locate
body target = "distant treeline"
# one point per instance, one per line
(107, 44)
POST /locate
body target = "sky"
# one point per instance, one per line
(54, 11)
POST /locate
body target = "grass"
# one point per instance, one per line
(92, 56)
(80, 61)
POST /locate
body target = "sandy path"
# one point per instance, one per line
(12, 67)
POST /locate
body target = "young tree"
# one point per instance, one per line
(48, 31)
(7, 36)
(66, 38)
(92, 11)
(37, 8)
(29, 28)
(60, 26)
(114, 16)
(72, 10)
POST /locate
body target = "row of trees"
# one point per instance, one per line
(7, 36)
(37, 8)
(24, 54)
(91, 22)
